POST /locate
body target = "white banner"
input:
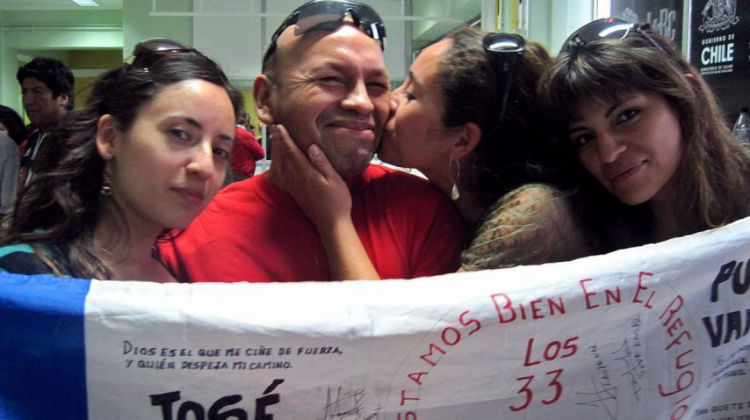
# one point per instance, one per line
(656, 332)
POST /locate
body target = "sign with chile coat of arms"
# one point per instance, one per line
(720, 49)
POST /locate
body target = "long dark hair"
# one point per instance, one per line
(511, 152)
(63, 203)
(13, 122)
(715, 168)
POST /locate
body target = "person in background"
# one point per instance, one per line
(244, 120)
(491, 160)
(47, 89)
(12, 125)
(644, 137)
(247, 150)
(324, 82)
(12, 132)
(147, 153)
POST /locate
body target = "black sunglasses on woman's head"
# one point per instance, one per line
(504, 51)
(607, 28)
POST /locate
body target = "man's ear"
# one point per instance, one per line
(107, 137)
(468, 139)
(63, 99)
(262, 90)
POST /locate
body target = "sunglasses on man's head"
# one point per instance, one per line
(328, 15)
(504, 50)
(607, 28)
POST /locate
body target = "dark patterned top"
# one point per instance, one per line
(21, 259)
(534, 224)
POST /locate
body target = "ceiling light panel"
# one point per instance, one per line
(86, 3)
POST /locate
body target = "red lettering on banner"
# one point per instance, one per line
(539, 308)
(528, 394)
(587, 294)
(526, 391)
(672, 310)
(551, 306)
(687, 374)
(447, 340)
(552, 351)
(417, 377)
(507, 305)
(543, 383)
(536, 312)
(613, 296)
(527, 361)
(404, 398)
(674, 327)
(642, 288)
(678, 362)
(559, 305)
(466, 323)
(424, 356)
(677, 340)
(450, 337)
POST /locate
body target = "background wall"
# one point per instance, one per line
(26, 34)
(235, 32)
(138, 23)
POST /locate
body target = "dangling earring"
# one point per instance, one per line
(454, 191)
(106, 190)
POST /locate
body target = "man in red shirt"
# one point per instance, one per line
(325, 81)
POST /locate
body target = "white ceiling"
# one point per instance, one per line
(56, 5)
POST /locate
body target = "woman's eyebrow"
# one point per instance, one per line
(415, 79)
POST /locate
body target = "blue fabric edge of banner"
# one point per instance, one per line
(42, 348)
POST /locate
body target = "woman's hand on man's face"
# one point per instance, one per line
(316, 186)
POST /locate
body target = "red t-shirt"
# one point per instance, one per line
(245, 153)
(253, 231)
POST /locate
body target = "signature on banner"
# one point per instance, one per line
(347, 405)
